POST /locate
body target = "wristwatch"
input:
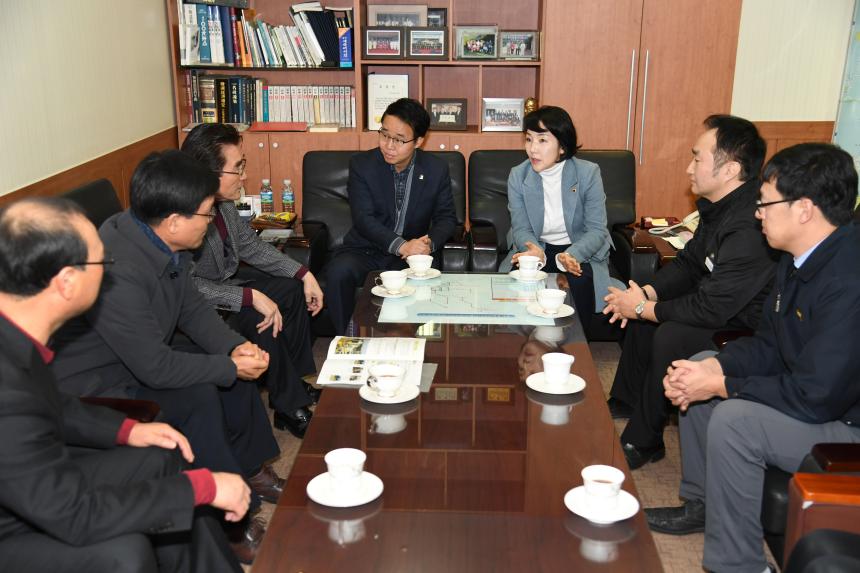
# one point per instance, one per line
(639, 309)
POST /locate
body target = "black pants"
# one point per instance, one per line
(648, 351)
(290, 354)
(204, 548)
(581, 287)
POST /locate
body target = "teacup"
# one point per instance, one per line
(550, 299)
(387, 423)
(345, 466)
(392, 281)
(598, 551)
(602, 486)
(419, 264)
(385, 378)
(553, 415)
(346, 531)
(529, 265)
(556, 367)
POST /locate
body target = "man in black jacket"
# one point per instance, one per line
(767, 399)
(718, 281)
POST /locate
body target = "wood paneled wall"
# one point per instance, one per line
(782, 134)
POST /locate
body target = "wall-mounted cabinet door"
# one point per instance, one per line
(256, 149)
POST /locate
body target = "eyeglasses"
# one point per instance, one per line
(210, 215)
(239, 173)
(386, 139)
(759, 206)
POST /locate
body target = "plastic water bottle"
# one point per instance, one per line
(267, 204)
(288, 198)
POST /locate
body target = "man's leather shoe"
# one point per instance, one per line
(637, 457)
(295, 422)
(313, 393)
(267, 484)
(245, 537)
(683, 520)
(619, 409)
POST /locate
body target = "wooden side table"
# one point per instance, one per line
(645, 242)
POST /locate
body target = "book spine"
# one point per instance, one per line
(203, 27)
(265, 102)
(227, 33)
(344, 39)
(216, 39)
(233, 108)
(195, 96)
(222, 100)
(208, 105)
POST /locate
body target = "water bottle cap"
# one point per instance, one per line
(287, 182)
(266, 182)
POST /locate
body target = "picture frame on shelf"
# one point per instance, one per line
(427, 43)
(382, 43)
(437, 17)
(447, 113)
(519, 44)
(477, 42)
(400, 16)
(502, 114)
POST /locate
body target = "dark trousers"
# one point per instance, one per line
(648, 351)
(203, 548)
(346, 272)
(581, 287)
(290, 354)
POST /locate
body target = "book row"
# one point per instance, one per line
(237, 37)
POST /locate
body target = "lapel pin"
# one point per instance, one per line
(573, 189)
(798, 313)
(421, 177)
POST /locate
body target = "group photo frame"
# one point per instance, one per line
(447, 113)
(399, 16)
(427, 43)
(502, 114)
(519, 45)
(383, 43)
(476, 42)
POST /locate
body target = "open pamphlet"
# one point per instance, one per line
(349, 358)
(678, 234)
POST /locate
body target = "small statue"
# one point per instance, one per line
(531, 104)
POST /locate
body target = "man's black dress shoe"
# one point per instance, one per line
(637, 457)
(267, 484)
(313, 393)
(295, 422)
(245, 537)
(682, 520)
(619, 409)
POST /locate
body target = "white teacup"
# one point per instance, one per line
(556, 367)
(529, 265)
(345, 466)
(387, 423)
(550, 299)
(598, 551)
(419, 264)
(553, 415)
(346, 531)
(392, 281)
(602, 485)
(385, 378)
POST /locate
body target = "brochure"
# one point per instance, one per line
(349, 358)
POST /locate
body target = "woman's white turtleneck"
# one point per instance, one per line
(554, 231)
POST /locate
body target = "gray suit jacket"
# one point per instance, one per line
(584, 205)
(215, 267)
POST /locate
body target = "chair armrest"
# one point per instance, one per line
(484, 248)
(455, 253)
(837, 457)
(140, 410)
(310, 248)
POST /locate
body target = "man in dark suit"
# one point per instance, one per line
(132, 342)
(270, 296)
(82, 488)
(401, 204)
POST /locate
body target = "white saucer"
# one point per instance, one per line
(405, 393)
(577, 502)
(321, 491)
(430, 274)
(405, 291)
(538, 277)
(574, 384)
(563, 311)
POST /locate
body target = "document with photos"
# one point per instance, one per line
(349, 358)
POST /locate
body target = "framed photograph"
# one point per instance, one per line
(383, 43)
(502, 114)
(518, 45)
(427, 43)
(401, 16)
(437, 17)
(476, 42)
(447, 113)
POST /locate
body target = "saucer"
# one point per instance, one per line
(430, 274)
(563, 311)
(576, 501)
(574, 384)
(405, 291)
(538, 277)
(405, 393)
(320, 490)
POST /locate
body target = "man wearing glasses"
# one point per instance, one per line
(134, 341)
(268, 299)
(401, 204)
(767, 399)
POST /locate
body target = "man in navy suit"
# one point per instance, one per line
(401, 205)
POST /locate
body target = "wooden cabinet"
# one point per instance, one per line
(643, 75)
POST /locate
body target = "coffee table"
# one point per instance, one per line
(475, 471)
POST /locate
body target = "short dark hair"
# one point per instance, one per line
(556, 121)
(737, 140)
(206, 142)
(410, 112)
(168, 182)
(36, 242)
(821, 172)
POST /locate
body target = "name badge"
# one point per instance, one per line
(709, 263)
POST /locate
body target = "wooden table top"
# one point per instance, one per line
(475, 479)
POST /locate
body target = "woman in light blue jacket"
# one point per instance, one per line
(558, 210)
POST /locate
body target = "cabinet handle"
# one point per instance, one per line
(275, 145)
(441, 146)
(630, 97)
(457, 147)
(644, 101)
(260, 145)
